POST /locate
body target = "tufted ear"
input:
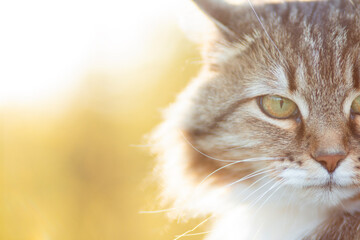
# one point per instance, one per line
(220, 13)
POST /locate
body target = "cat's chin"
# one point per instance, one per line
(328, 195)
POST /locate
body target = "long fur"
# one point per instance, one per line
(256, 176)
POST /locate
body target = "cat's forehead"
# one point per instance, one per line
(312, 50)
(322, 56)
(305, 51)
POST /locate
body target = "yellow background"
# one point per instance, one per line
(75, 165)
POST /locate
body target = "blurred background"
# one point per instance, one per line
(81, 84)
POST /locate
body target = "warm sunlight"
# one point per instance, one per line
(47, 46)
(121, 121)
(81, 84)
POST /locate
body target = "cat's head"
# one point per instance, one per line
(275, 108)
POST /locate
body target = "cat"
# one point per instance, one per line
(265, 142)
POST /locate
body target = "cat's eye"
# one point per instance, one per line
(278, 107)
(355, 106)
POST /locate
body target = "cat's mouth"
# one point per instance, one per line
(331, 185)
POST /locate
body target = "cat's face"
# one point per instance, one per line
(283, 93)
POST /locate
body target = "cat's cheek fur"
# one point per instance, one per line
(346, 174)
(311, 56)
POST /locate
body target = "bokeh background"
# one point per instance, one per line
(81, 84)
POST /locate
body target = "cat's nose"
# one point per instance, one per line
(330, 161)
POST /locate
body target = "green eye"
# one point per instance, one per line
(279, 107)
(355, 106)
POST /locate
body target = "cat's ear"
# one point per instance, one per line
(220, 14)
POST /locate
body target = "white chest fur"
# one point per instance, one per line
(271, 223)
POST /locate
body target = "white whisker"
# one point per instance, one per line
(227, 165)
(193, 229)
(196, 234)
(255, 182)
(157, 211)
(217, 159)
(252, 193)
(228, 160)
(352, 3)
(279, 185)
(230, 164)
(254, 174)
(263, 27)
(260, 197)
(289, 208)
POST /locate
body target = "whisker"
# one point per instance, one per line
(217, 159)
(352, 3)
(290, 209)
(228, 160)
(263, 27)
(248, 196)
(255, 182)
(193, 229)
(196, 234)
(254, 174)
(272, 194)
(259, 198)
(227, 165)
(157, 211)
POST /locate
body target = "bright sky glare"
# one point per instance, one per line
(47, 46)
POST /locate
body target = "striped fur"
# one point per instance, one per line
(305, 51)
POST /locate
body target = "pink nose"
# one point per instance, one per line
(330, 162)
